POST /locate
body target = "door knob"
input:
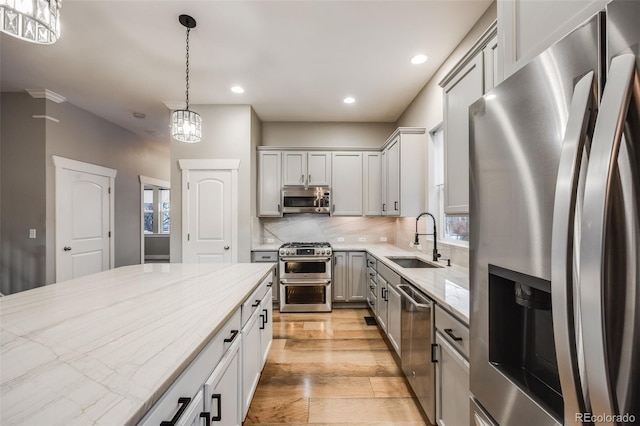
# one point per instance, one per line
(226, 247)
(67, 248)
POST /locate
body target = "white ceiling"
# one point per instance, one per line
(297, 60)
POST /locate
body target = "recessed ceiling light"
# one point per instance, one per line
(237, 89)
(349, 100)
(419, 59)
(139, 115)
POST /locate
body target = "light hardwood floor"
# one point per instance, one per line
(331, 368)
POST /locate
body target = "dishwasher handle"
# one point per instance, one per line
(413, 301)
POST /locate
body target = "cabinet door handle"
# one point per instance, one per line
(270, 284)
(335, 260)
(449, 332)
(230, 339)
(384, 207)
(279, 208)
(309, 181)
(262, 322)
(206, 417)
(255, 305)
(434, 357)
(266, 316)
(183, 402)
(395, 205)
(302, 178)
(218, 398)
(67, 248)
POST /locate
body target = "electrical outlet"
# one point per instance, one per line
(362, 239)
(383, 239)
(340, 240)
(32, 233)
(270, 240)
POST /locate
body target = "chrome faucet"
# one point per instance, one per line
(436, 255)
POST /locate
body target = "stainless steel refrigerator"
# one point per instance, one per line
(555, 230)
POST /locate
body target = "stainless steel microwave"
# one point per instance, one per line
(311, 200)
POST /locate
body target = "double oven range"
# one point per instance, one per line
(305, 277)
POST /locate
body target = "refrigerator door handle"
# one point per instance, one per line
(562, 248)
(622, 83)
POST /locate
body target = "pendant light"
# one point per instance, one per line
(37, 21)
(186, 125)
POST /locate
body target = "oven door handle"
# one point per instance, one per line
(305, 259)
(304, 282)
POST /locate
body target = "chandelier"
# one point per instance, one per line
(186, 125)
(37, 21)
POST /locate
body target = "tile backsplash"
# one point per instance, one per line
(350, 230)
(323, 228)
(405, 234)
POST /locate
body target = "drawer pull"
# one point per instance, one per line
(255, 305)
(434, 347)
(262, 322)
(266, 316)
(207, 420)
(270, 284)
(230, 339)
(449, 332)
(218, 398)
(183, 402)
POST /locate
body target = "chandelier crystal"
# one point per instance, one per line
(37, 21)
(186, 125)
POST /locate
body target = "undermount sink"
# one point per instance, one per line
(412, 262)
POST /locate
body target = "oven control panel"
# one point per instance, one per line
(324, 251)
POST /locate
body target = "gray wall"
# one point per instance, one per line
(22, 193)
(326, 134)
(86, 137)
(227, 134)
(28, 182)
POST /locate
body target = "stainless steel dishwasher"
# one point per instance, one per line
(417, 321)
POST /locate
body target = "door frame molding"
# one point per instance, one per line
(231, 165)
(61, 164)
(145, 180)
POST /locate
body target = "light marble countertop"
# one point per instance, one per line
(448, 286)
(102, 349)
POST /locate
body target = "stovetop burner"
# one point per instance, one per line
(305, 245)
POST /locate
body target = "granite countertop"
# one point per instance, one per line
(102, 349)
(448, 286)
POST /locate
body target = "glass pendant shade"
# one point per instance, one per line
(186, 126)
(37, 21)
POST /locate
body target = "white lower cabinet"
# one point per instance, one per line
(394, 309)
(218, 385)
(349, 281)
(222, 396)
(452, 370)
(266, 328)
(193, 415)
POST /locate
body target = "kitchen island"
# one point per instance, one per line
(102, 349)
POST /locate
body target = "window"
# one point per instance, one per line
(157, 210)
(453, 227)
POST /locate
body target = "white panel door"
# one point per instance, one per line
(209, 222)
(83, 209)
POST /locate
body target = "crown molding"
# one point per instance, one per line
(46, 117)
(47, 94)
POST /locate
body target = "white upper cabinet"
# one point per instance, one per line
(319, 168)
(347, 179)
(404, 179)
(269, 183)
(306, 168)
(527, 28)
(472, 77)
(372, 181)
